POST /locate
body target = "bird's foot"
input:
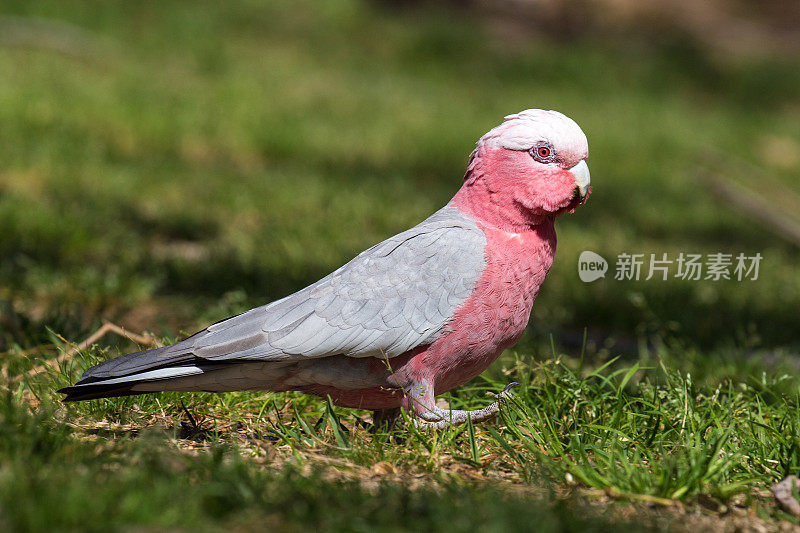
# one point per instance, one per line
(438, 418)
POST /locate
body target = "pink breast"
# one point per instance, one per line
(495, 316)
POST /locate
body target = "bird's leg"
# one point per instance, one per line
(384, 419)
(432, 417)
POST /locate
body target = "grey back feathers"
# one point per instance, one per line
(391, 298)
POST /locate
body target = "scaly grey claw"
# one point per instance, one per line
(504, 394)
(510, 386)
(436, 418)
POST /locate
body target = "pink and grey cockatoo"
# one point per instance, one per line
(412, 317)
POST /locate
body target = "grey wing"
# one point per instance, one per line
(391, 298)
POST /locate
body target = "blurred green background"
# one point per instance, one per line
(164, 164)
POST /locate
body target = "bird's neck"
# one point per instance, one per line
(495, 207)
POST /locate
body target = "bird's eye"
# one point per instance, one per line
(543, 153)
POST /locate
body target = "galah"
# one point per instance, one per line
(409, 318)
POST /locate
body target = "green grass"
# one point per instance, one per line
(52, 478)
(638, 435)
(177, 163)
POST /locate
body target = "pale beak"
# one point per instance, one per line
(582, 180)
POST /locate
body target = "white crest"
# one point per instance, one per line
(521, 131)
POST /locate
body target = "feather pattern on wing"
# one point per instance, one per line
(391, 298)
(388, 300)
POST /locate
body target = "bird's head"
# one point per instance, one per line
(529, 168)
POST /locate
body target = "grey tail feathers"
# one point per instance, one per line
(125, 375)
(91, 392)
(164, 378)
